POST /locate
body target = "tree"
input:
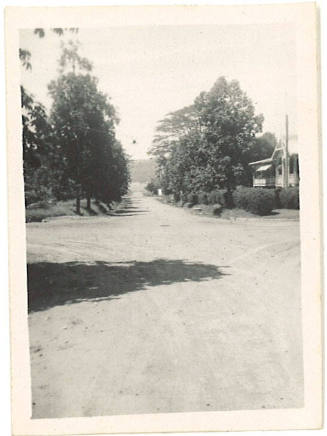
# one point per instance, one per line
(206, 145)
(230, 128)
(39, 172)
(84, 122)
(70, 58)
(25, 55)
(74, 151)
(176, 125)
(35, 128)
(116, 175)
(36, 133)
(262, 147)
(173, 147)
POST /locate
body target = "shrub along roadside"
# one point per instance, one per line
(203, 198)
(259, 201)
(192, 198)
(289, 198)
(218, 196)
(153, 186)
(256, 200)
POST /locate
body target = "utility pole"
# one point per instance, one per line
(286, 158)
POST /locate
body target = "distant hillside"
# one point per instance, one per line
(142, 170)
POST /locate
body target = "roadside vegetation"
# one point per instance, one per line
(71, 151)
(203, 152)
(252, 201)
(41, 210)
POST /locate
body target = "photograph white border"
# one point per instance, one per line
(305, 17)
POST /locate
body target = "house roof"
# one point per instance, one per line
(263, 161)
(277, 149)
(264, 167)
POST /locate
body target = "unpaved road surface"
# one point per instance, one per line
(157, 310)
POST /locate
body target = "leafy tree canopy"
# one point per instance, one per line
(25, 55)
(36, 128)
(262, 147)
(74, 150)
(84, 121)
(206, 145)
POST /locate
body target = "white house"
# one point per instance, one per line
(279, 170)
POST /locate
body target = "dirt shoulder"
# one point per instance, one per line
(45, 211)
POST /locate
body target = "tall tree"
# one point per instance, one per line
(39, 173)
(84, 122)
(36, 134)
(74, 150)
(115, 175)
(205, 145)
(230, 128)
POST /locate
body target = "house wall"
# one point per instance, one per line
(281, 178)
(293, 180)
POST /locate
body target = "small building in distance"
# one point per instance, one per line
(281, 170)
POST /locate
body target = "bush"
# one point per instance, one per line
(289, 198)
(177, 197)
(192, 198)
(183, 197)
(153, 186)
(240, 198)
(203, 198)
(44, 204)
(256, 200)
(168, 198)
(217, 197)
(217, 209)
(278, 204)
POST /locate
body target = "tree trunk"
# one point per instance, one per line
(229, 198)
(78, 204)
(229, 194)
(88, 204)
(78, 201)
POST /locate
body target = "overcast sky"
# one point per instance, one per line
(150, 71)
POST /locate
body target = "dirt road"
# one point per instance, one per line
(159, 310)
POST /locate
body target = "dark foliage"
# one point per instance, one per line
(256, 200)
(192, 198)
(36, 135)
(219, 196)
(153, 186)
(74, 151)
(262, 147)
(289, 198)
(203, 198)
(207, 145)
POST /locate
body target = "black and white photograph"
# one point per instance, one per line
(164, 172)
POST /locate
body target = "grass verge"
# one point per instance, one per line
(38, 212)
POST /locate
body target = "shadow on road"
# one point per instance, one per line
(128, 207)
(52, 284)
(130, 211)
